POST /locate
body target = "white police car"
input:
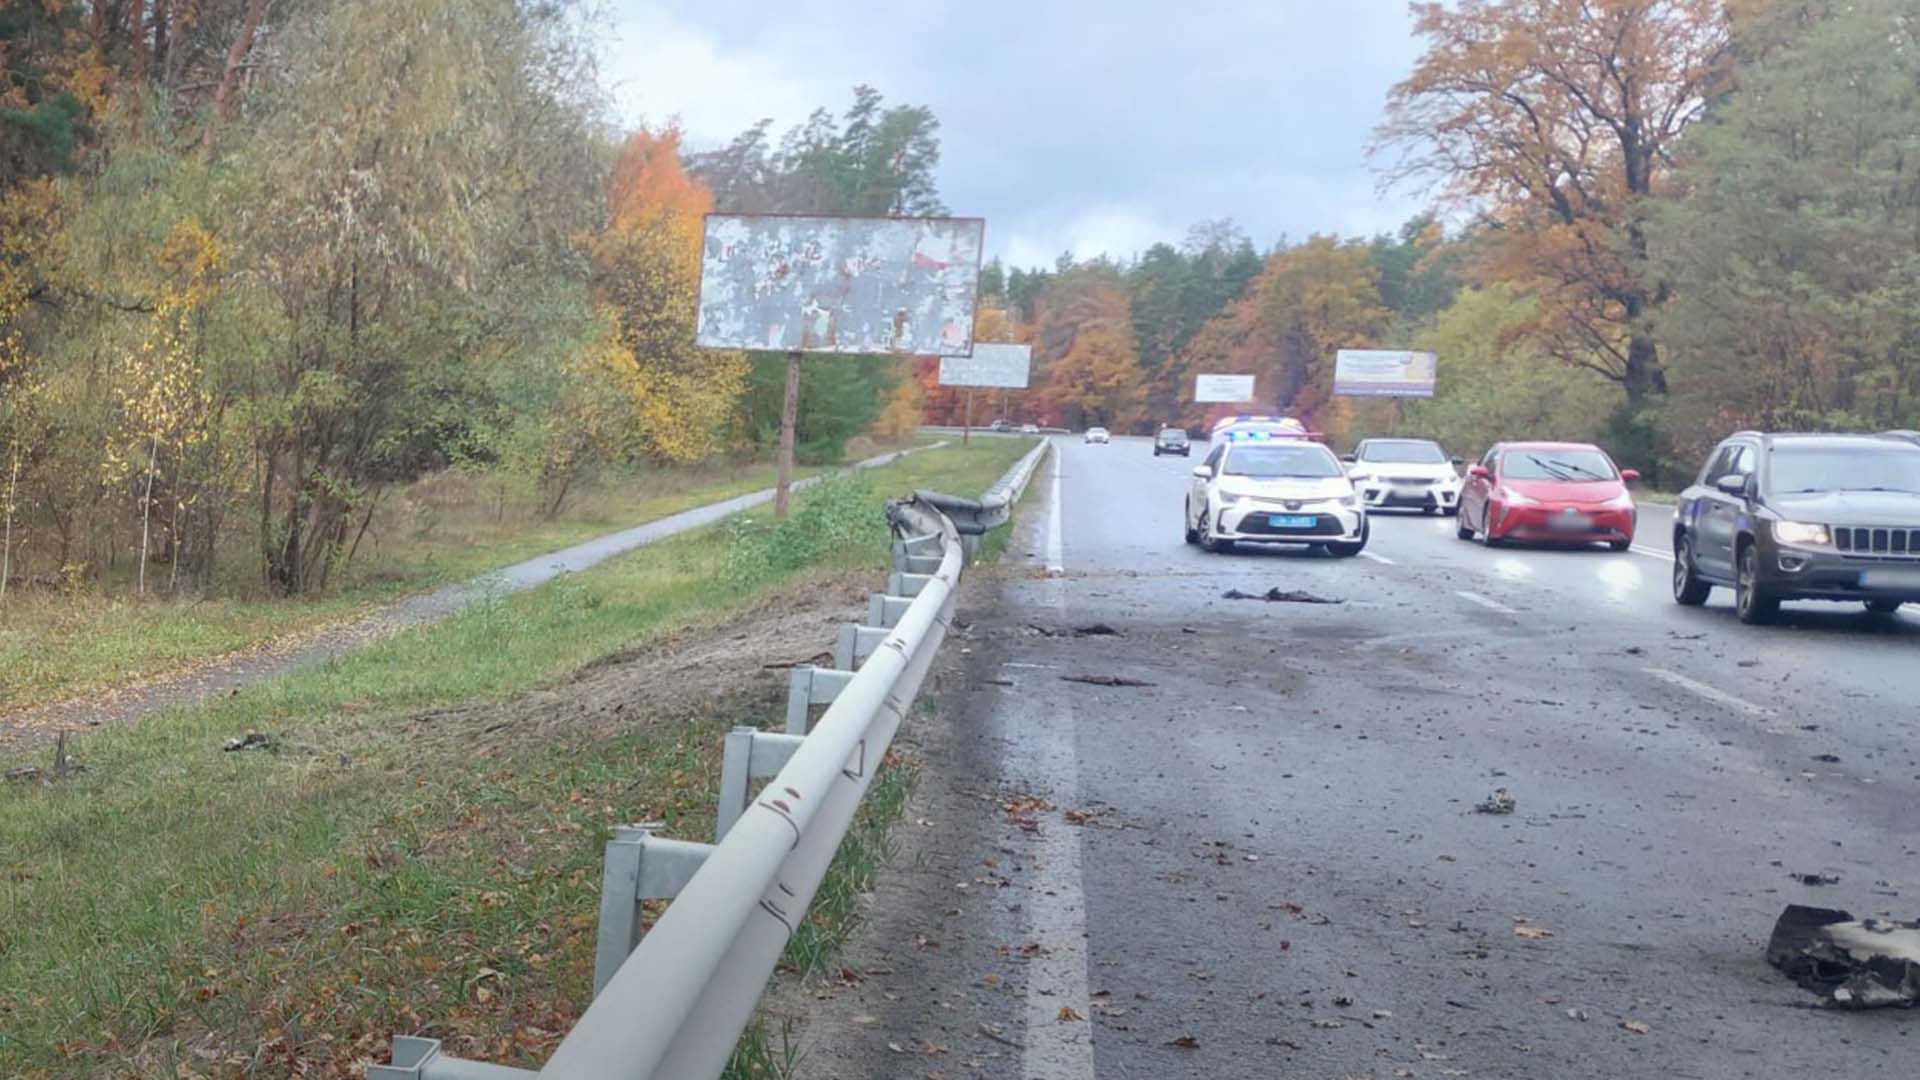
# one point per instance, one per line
(1273, 487)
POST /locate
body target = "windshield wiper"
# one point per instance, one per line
(1576, 468)
(1551, 468)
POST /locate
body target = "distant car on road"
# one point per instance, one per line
(1029, 429)
(1290, 491)
(1172, 440)
(1548, 492)
(1000, 425)
(1801, 517)
(1098, 435)
(1405, 472)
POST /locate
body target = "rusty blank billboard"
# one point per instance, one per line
(840, 284)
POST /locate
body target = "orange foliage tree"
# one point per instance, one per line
(1308, 302)
(1557, 120)
(1084, 347)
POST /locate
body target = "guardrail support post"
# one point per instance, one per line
(901, 583)
(750, 754)
(421, 1059)
(856, 644)
(639, 866)
(918, 564)
(885, 610)
(808, 686)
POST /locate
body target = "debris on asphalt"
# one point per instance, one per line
(1531, 933)
(1278, 595)
(1831, 759)
(1635, 650)
(1098, 629)
(1500, 802)
(1816, 879)
(1104, 680)
(1069, 1016)
(1185, 1042)
(1577, 1014)
(1635, 1026)
(1852, 964)
(253, 740)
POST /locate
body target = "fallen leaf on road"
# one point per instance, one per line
(1500, 802)
(1185, 1042)
(1067, 1015)
(1532, 933)
(1635, 1026)
(1816, 879)
(1098, 629)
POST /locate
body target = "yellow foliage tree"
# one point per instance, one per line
(647, 275)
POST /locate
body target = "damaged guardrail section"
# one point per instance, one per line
(672, 1004)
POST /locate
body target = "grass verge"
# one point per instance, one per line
(421, 852)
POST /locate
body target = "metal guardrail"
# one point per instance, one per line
(671, 1005)
(976, 517)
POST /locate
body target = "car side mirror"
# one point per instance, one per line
(1480, 472)
(1457, 462)
(1733, 484)
(1630, 476)
(1204, 472)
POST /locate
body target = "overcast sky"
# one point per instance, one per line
(1084, 126)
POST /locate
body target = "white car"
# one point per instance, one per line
(1098, 435)
(1406, 472)
(1274, 491)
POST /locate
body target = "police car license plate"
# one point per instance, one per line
(1292, 521)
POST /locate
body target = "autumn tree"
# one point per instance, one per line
(1085, 345)
(1557, 121)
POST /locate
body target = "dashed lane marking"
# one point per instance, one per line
(1711, 693)
(1651, 552)
(1485, 602)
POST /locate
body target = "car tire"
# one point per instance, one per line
(1209, 542)
(1486, 527)
(1883, 607)
(1193, 535)
(1452, 511)
(1462, 528)
(1619, 545)
(1688, 589)
(1751, 600)
(1349, 550)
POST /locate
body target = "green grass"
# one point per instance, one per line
(386, 870)
(446, 529)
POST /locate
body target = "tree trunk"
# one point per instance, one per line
(146, 511)
(137, 42)
(230, 74)
(6, 547)
(789, 416)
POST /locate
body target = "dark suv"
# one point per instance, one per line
(1172, 440)
(1801, 517)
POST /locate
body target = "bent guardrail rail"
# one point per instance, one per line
(672, 1004)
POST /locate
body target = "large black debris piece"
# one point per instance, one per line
(1852, 963)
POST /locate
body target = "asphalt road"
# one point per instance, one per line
(1267, 862)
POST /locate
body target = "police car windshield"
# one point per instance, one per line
(1282, 460)
(1403, 452)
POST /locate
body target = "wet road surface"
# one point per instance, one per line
(1267, 862)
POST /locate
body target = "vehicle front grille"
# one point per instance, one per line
(1887, 542)
(1410, 481)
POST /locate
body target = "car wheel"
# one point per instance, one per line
(1210, 542)
(1486, 527)
(1462, 528)
(1688, 589)
(1619, 545)
(1452, 511)
(1883, 607)
(1751, 601)
(1429, 510)
(1193, 536)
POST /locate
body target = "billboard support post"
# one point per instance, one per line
(789, 417)
(966, 421)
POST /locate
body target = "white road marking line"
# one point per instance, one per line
(1713, 694)
(1381, 559)
(1651, 553)
(1485, 602)
(1056, 557)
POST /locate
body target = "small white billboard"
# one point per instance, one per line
(1222, 388)
(839, 284)
(1383, 373)
(991, 364)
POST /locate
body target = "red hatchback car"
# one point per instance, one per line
(1565, 493)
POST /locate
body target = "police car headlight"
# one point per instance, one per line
(1231, 498)
(1351, 502)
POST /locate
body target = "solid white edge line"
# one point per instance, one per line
(1056, 556)
(1485, 602)
(1381, 559)
(1711, 693)
(1651, 553)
